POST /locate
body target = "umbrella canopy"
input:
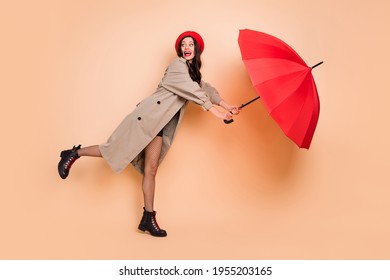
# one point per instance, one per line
(284, 82)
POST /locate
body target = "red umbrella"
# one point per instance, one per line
(284, 83)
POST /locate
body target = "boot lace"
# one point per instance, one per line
(72, 158)
(154, 222)
(68, 164)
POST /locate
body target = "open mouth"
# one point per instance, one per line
(187, 54)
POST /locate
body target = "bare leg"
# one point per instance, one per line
(152, 156)
(91, 151)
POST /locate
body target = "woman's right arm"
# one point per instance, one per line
(178, 81)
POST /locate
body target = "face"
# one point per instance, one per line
(188, 48)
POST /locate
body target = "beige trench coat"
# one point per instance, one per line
(163, 109)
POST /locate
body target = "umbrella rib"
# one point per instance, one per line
(303, 69)
(300, 63)
(302, 105)
(286, 100)
(300, 110)
(284, 75)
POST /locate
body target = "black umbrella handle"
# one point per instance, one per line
(242, 106)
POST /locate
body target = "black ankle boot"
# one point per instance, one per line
(149, 223)
(68, 157)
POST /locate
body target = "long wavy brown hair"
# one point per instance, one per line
(196, 64)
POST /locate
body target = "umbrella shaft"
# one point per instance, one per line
(254, 99)
(317, 65)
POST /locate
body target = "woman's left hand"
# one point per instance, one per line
(235, 110)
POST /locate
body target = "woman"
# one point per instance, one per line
(144, 137)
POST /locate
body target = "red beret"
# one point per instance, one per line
(192, 34)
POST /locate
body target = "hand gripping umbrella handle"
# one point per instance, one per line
(242, 106)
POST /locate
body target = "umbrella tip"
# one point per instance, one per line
(319, 63)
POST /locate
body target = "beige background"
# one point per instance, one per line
(71, 70)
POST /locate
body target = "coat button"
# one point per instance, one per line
(158, 102)
(139, 118)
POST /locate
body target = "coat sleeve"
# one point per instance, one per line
(178, 81)
(212, 92)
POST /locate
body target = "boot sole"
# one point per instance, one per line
(144, 230)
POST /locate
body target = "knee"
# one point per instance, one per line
(151, 170)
